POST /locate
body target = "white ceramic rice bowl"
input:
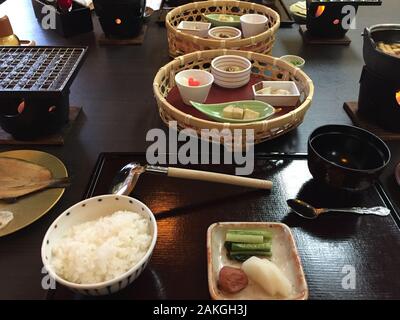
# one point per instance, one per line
(92, 209)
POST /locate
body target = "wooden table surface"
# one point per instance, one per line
(114, 87)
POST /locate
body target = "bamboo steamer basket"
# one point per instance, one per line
(181, 43)
(267, 67)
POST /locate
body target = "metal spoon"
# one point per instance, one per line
(126, 179)
(307, 211)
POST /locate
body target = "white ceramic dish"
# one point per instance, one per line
(229, 79)
(284, 255)
(231, 33)
(297, 61)
(195, 28)
(289, 100)
(91, 209)
(194, 93)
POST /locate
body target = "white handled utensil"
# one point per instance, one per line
(126, 179)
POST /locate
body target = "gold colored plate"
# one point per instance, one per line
(31, 207)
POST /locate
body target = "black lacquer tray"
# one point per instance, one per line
(329, 247)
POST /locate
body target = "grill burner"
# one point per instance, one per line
(324, 18)
(377, 100)
(379, 97)
(37, 78)
(120, 18)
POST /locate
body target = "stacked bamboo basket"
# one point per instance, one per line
(198, 54)
(267, 67)
(181, 43)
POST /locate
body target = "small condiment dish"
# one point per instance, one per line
(231, 71)
(197, 91)
(195, 28)
(284, 255)
(277, 100)
(224, 33)
(218, 19)
(215, 111)
(294, 60)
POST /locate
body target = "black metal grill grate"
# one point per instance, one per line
(37, 68)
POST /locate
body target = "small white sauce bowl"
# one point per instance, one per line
(292, 58)
(232, 33)
(228, 79)
(194, 93)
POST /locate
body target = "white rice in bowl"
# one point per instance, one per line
(102, 249)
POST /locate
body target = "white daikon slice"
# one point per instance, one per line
(267, 275)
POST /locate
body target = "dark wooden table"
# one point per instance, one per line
(327, 246)
(114, 87)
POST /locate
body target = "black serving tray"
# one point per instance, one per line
(327, 246)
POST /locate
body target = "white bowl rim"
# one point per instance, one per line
(231, 56)
(196, 71)
(107, 283)
(243, 17)
(237, 36)
(226, 27)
